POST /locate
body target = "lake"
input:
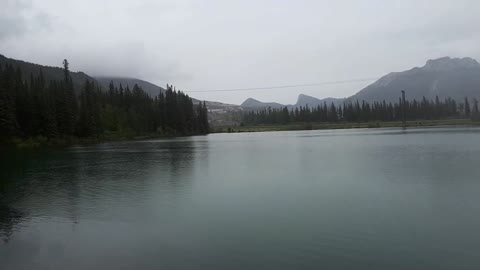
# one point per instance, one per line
(338, 199)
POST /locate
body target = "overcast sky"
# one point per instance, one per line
(219, 44)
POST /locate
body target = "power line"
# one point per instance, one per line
(285, 86)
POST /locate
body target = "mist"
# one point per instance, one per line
(240, 44)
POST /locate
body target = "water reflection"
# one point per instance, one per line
(278, 200)
(9, 218)
(100, 182)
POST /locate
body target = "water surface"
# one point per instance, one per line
(345, 199)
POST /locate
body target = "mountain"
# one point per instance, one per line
(443, 77)
(50, 73)
(251, 103)
(304, 100)
(150, 88)
(79, 78)
(218, 113)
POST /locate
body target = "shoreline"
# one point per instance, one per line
(36, 142)
(346, 125)
(40, 141)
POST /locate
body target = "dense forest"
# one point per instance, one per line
(365, 112)
(33, 107)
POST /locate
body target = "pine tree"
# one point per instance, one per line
(354, 112)
(205, 125)
(71, 109)
(89, 119)
(8, 125)
(36, 108)
(161, 111)
(476, 113)
(467, 108)
(8, 122)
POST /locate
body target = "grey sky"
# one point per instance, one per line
(218, 44)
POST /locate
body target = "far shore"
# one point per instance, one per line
(42, 141)
(345, 125)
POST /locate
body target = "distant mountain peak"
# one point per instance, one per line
(302, 96)
(447, 63)
(249, 100)
(253, 103)
(444, 77)
(303, 100)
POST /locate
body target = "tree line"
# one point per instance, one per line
(366, 112)
(53, 109)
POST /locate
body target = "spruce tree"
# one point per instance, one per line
(8, 122)
(467, 108)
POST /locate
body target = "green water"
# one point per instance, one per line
(348, 199)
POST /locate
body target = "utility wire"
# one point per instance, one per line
(285, 86)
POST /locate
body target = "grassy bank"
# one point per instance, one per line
(124, 136)
(318, 126)
(40, 141)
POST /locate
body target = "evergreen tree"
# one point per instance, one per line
(36, 108)
(89, 120)
(7, 113)
(467, 108)
(361, 112)
(475, 113)
(8, 122)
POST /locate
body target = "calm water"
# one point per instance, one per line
(353, 199)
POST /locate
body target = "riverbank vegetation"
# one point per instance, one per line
(414, 113)
(36, 111)
(344, 125)
(364, 112)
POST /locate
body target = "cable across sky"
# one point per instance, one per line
(286, 86)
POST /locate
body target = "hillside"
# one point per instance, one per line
(217, 110)
(50, 73)
(150, 88)
(443, 77)
(256, 104)
(304, 100)
(33, 104)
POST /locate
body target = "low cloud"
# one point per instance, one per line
(18, 18)
(220, 44)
